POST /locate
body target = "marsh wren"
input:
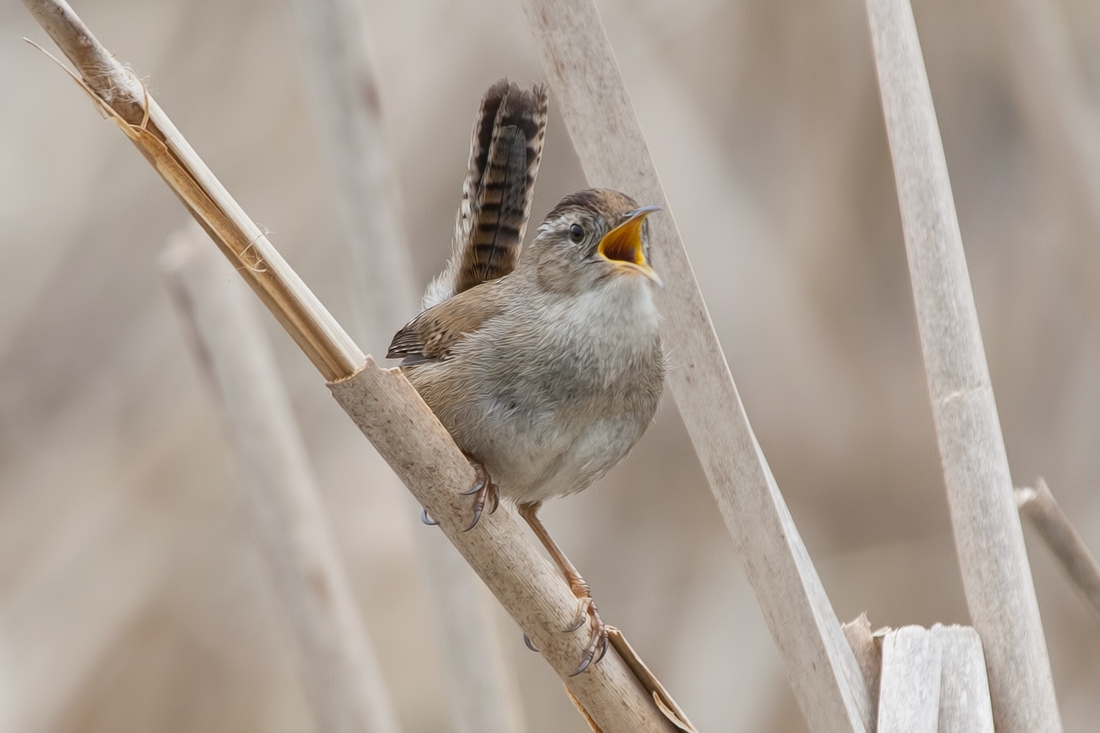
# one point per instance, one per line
(544, 363)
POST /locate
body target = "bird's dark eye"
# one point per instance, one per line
(576, 232)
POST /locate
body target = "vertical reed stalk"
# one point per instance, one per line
(988, 537)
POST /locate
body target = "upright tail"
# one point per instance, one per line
(505, 151)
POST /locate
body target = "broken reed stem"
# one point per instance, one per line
(868, 651)
(584, 76)
(932, 680)
(988, 537)
(335, 653)
(481, 689)
(383, 403)
(1048, 519)
(964, 687)
(909, 686)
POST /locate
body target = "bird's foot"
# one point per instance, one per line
(597, 642)
(483, 490)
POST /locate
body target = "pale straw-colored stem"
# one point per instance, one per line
(933, 680)
(988, 537)
(335, 653)
(909, 686)
(868, 650)
(585, 79)
(384, 405)
(964, 687)
(1052, 524)
(336, 41)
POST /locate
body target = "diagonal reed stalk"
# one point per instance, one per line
(988, 537)
(584, 76)
(1052, 524)
(382, 403)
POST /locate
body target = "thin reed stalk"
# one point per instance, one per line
(1052, 524)
(120, 95)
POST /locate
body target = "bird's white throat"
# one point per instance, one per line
(619, 313)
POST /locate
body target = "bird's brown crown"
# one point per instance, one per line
(605, 202)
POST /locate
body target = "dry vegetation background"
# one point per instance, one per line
(132, 593)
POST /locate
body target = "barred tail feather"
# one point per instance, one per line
(505, 152)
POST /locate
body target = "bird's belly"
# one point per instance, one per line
(535, 457)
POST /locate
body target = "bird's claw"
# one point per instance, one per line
(484, 492)
(601, 643)
(597, 643)
(479, 483)
(477, 517)
(581, 618)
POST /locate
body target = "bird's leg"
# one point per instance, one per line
(483, 490)
(597, 645)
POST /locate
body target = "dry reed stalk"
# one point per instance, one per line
(581, 68)
(480, 687)
(933, 680)
(868, 650)
(383, 403)
(909, 686)
(964, 687)
(335, 652)
(1039, 506)
(988, 537)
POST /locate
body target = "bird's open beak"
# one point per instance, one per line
(623, 244)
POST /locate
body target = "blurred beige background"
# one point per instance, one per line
(132, 593)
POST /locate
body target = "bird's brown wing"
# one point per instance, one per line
(505, 152)
(433, 334)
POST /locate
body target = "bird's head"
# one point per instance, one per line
(590, 236)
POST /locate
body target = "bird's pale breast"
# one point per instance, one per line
(552, 394)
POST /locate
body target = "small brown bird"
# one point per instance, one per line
(544, 364)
